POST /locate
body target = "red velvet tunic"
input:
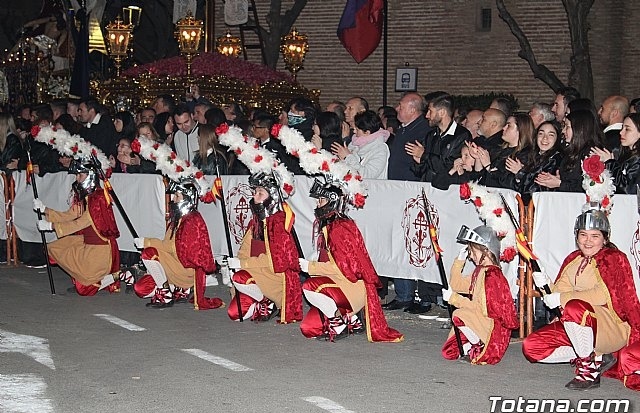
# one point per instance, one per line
(350, 254)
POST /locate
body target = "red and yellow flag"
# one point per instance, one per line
(289, 216)
(523, 246)
(434, 240)
(29, 172)
(107, 188)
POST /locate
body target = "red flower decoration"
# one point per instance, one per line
(135, 146)
(153, 157)
(256, 145)
(238, 151)
(348, 177)
(35, 130)
(358, 200)
(605, 202)
(465, 191)
(508, 254)
(325, 166)
(179, 168)
(314, 150)
(173, 155)
(593, 167)
(199, 175)
(94, 152)
(477, 202)
(295, 153)
(275, 129)
(257, 159)
(187, 163)
(359, 178)
(156, 146)
(74, 149)
(52, 141)
(287, 188)
(207, 198)
(222, 128)
(498, 212)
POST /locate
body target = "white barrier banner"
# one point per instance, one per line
(393, 222)
(142, 197)
(554, 218)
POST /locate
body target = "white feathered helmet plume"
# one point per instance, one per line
(172, 166)
(318, 161)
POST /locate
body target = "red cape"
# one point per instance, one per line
(615, 271)
(501, 309)
(348, 249)
(284, 257)
(101, 213)
(194, 251)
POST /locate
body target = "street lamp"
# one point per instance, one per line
(131, 15)
(294, 47)
(118, 35)
(188, 33)
(229, 45)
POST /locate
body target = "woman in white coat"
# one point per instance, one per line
(368, 153)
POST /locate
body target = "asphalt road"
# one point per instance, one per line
(63, 353)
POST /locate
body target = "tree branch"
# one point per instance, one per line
(540, 71)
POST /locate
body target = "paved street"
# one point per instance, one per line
(109, 353)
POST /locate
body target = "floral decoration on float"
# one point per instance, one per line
(314, 161)
(491, 211)
(172, 166)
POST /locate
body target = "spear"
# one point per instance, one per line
(218, 186)
(31, 177)
(433, 236)
(523, 248)
(112, 193)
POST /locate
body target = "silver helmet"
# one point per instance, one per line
(482, 235)
(592, 219)
(333, 193)
(189, 189)
(89, 184)
(271, 205)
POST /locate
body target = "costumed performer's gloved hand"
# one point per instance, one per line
(464, 253)
(139, 243)
(233, 263)
(446, 294)
(540, 278)
(38, 205)
(304, 265)
(552, 300)
(44, 225)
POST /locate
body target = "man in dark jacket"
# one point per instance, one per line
(442, 145)
(98, 128)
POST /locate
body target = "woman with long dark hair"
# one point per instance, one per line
(327, 129)
(211, 154)
(626, 169)
(581, 134)
(545, 157)
(517, 135)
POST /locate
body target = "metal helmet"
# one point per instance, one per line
(592, 219)
(89, 184)
(482, 235)
(271, 205)
(189, 189)
(334, 195)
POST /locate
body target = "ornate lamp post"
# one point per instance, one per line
(188, 33)
(131, 15)
(294, 47)
(229, 45)
(118, 36)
